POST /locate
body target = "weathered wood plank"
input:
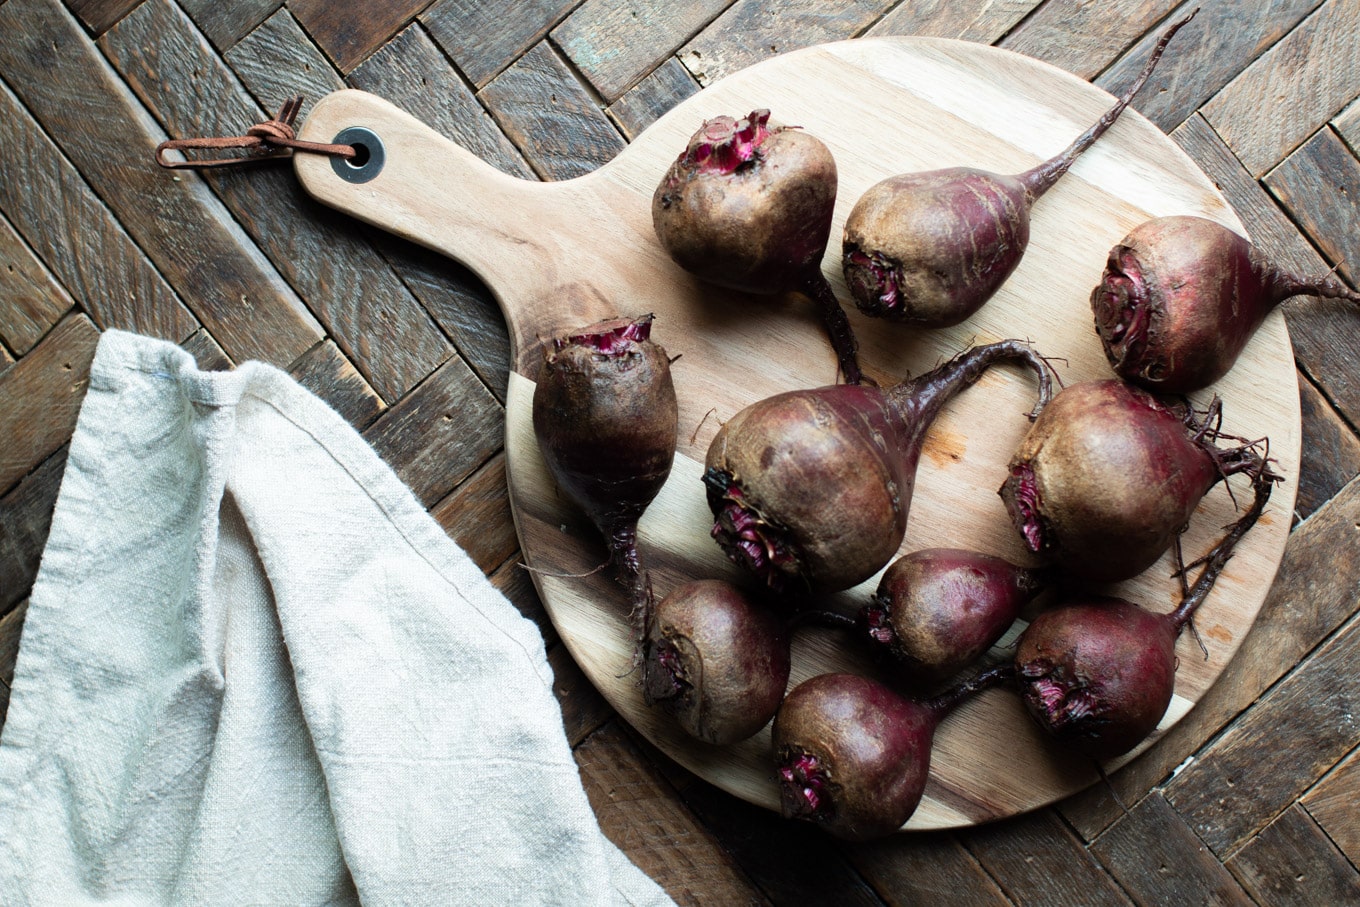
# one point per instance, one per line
(326, 372)
(614, 44)
(753, 30)
(547, 113)
(69, 86)
(483, 37)
(583, 708)
(11, 628)
(40, 397)
(365, 307)
(516, 585)
(226, 23)
(1327, 355)
(349, 33)
(924, 869)
(638, 810)
(477, 516)
(25, 520)
(1332, 804)
(6, 358)
(461, 305)
(1347, 125)
(1291, 89)
(32, 300)
(410, 72)
(1331, 457)
(1037, 860)
(1314, 593)
(663, 88)
(209, 356)
(790, 862)
(435, 436)
(1278, 748)
(1208, 53)
(982, 22)
(277, 60)
(1317, 185)
(1293, 864)
(99, 15)
(78, 238)
(1157, 859)
(1082, 37)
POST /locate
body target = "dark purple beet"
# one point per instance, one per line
(1098, 673)
(810, 489)
(853, 757)
(930, 248)
(606, 420)
(1109, 475)
(716, 660)
(748, 206)
(1180, 298)
(938, 610)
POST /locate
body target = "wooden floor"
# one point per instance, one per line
(1252, 798)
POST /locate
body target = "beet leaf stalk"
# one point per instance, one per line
(852, 756)
(606, 419)
(810, 490)
(931, 248)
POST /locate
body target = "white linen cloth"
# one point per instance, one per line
(255, 671)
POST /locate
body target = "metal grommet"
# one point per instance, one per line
(369, 160)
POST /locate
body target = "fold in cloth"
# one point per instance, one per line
(254, 670)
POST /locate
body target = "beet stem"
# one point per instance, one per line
(996, 675)
(918, 401)
(815, 285)
(623, 550)
(816, 617)
(1217, 559)
(1041, 178)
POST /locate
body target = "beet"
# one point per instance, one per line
(606, 419)
(810, 489)
(718, 661)
(1109, 475)
(1180, 298)
(930, 248)
(748, 206)
(852, 756)
(938, 610)
(1098, 673)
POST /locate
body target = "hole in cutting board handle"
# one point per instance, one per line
(369, 155)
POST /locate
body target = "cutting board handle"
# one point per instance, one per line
(425, 188)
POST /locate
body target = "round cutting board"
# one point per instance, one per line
(561, 255)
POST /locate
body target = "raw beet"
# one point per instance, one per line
(930, 248)
(606, 419)
(718, 661)
(1098, 673)
(1109, 475)
(852, 756)
(1182, 295)
(748, 206)
(938, 610)
(810, 490)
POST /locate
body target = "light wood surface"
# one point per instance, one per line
(558, 255)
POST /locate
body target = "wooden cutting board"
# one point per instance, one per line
(561, 255)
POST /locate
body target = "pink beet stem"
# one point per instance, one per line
(917, 402)
(837, 324)
(1217, 559)
(945, 703)
(1041, 178)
